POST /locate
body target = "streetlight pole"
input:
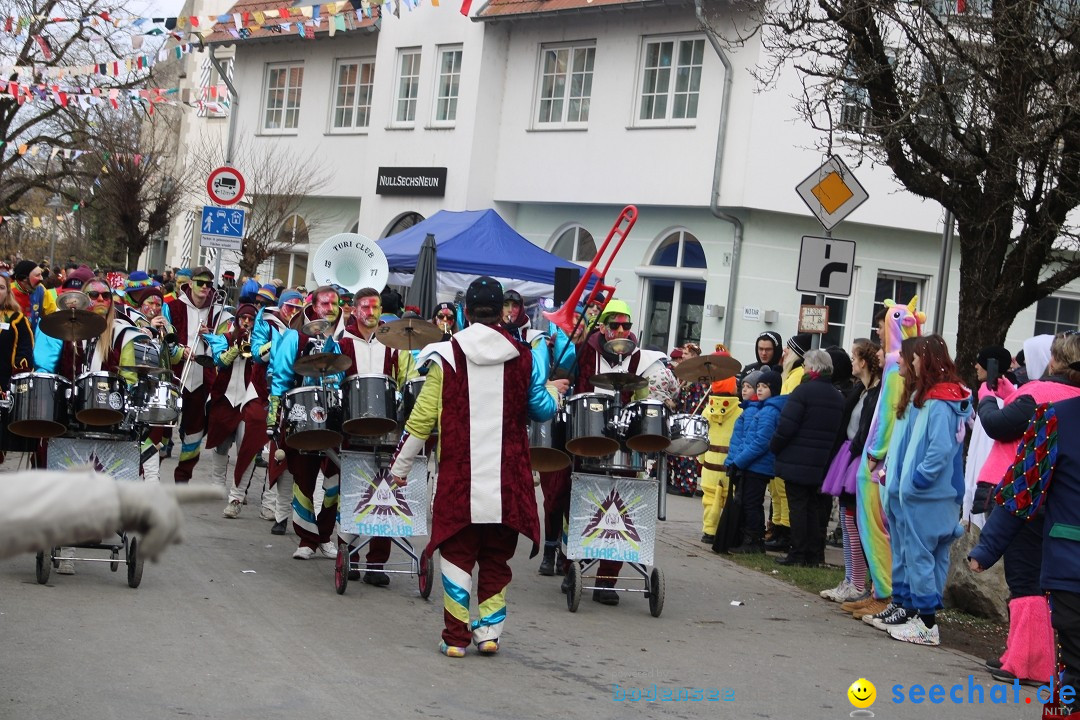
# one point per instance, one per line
(55, 203)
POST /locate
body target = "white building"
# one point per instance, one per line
(558, 113)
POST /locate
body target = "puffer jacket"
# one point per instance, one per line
(753, 453)
(804, 436)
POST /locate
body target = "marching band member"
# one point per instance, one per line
(514, 319)
(615, 323)
(16, 356)
(369, 356)
(484, 497)
(314, 530)
(108, 352)
(236, 412)
(270, 322)
(445, 319)
(192, 313)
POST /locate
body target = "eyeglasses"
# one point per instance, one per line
(95, 295)
(203, 283)
(445, 315)
(617, 325)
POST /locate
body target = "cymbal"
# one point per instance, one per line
(408, 334)
(316, 327)
(619, 381)
(145, 369)
(72, 325)
(318, 364)
(708, 368)
(620, 346)
(72, 299)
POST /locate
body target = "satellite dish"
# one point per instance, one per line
(351, 261)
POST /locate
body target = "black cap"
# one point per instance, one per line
(799, 344)
(773, 379)
(23, 268)
(484, 292)
(1003, 356)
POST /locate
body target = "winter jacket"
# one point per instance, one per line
(748, 408)
(1061, 529)
(753, 453)
(933, 466)
(793, 380)
(804, 436)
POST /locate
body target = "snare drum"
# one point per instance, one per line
(39, 406)
(100, 398)
(370, 405)
(622, 460)
(546, 440)
(308, 418)
(158, 402)
(646, 426)
(146, 352)
(586, 425)
(689, 435)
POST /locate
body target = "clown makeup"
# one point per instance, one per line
(368, 310)
(245, 321)
(511, 311)
(616, 326)
(288, 310)
(326, 305)
(150, 307)
(100, 297)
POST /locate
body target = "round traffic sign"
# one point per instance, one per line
(225, 186)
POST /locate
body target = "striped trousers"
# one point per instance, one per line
(489, 546)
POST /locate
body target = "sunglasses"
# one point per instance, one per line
(445, 315)
(617, 325)
(203, 283)
(95, 295)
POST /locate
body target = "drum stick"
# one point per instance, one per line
(697, 410)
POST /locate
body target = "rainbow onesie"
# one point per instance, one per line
(901, 321)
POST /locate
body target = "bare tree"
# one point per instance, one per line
(972, 103)
(278, 184)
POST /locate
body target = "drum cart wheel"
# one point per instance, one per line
(425, 579)
(43, 567)
(115, 557)
(134, 563)
(341, 568)
(656, 592)
(573, 591)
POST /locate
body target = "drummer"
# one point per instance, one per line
(370, 357)
(314, 530)
(270, 322)
(236, 413)
(191, 313)
(615, 323)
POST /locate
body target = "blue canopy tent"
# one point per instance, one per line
(473, 243)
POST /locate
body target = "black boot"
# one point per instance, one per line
(781, 538)
(547, 565)
(750, 546)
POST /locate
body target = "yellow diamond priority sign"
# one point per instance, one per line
(832, 192)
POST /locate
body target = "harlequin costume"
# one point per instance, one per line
(481, 390)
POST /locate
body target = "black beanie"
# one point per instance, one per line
(799, 344)
(841, 364)
(1003, 356)
(23, 268)
(773, 379)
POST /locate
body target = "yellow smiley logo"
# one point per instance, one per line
(862, 693)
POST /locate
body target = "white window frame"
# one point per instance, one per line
(440, 53)
(565, 98)
(213, 79)
(360, 63)
(843, 323)
(285, 108)
(1059, 326)
(639, 90)
(895, 275)
(399, 78)
(578, 230)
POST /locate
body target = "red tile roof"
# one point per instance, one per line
(502, 9)
(223, 32)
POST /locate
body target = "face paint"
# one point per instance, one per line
(326, 306)
(368, 310)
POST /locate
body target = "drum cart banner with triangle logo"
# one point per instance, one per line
(119, 459)
(612, 518)
(370, 505)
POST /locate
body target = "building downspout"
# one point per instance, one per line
(714, 193)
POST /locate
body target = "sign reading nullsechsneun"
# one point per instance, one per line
(430, 182)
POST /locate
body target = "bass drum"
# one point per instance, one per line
(689, 435)
(309, 414)
(39, 406)
(370, 405)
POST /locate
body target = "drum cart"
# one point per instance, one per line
(370, 505)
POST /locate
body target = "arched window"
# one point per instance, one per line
(675, 296)
(575, 244)
(292, 232)
(402, 222)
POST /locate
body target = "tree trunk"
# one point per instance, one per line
(985, 312)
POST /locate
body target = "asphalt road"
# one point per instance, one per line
(203, 638)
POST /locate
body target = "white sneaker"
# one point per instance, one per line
(267, 514)
(304, 553)
(915, 631)
(328, 549)
(232, 510)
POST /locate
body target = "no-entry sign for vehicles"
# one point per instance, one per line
(225, 186)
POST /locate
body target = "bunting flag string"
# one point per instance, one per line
(114, 67)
